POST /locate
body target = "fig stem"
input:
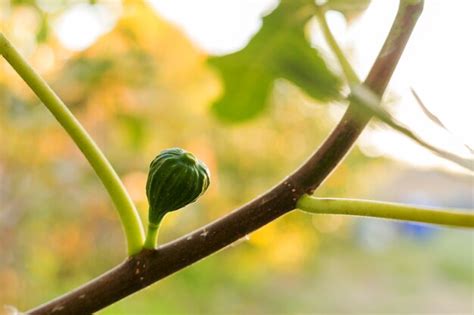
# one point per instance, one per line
(152, 233)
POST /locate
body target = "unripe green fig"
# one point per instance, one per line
(176, 179)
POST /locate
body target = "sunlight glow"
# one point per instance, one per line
(81, 25)
(219, 27)
(438, 64)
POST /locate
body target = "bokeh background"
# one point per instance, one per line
(136, 77)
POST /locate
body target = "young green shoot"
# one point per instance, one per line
(346, 67)
(387, 210)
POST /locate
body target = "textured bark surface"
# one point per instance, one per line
(149, 266)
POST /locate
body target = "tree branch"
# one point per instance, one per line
(149, 266)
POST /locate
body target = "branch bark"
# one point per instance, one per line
(149, 266)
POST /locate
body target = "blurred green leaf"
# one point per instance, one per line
(279, 50)
(135, 129)
(88, 71)
(369, 102)
(43, 31)
(23, 2)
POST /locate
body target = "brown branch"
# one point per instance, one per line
(149, 266)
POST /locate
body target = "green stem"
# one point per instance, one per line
(347, 69)
(128, 214)
(368, 208)
(152, 234)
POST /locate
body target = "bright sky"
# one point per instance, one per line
(437, 63)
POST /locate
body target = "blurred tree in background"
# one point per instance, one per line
(142, 87)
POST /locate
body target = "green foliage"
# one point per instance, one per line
(23, 2)
(279, 50)
(176, 178)
(88, 71)
(43, 31)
